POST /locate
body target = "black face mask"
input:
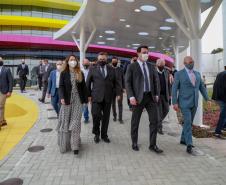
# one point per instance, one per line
(86, 66)
(161, 68)
(115, 64)
(102, 63)
(1, 63)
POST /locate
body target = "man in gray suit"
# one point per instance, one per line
(47, 68)
(165, 92)
(143, 91)
(185, 95)
(6, 88)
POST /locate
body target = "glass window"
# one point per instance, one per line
(36, 12)
(16, 10)
(6, 29)
(6, 10)
(26, 11)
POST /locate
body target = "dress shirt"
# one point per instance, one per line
(190, 73)
(57, 78)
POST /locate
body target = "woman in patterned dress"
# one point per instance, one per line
(73, 94)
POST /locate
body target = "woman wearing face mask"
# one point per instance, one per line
(72, 93)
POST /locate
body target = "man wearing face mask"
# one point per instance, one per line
(6, 88)
(143, 91)
(165, 92)
(53, 86)
(101, 82)
(85, 70)
(185, 95)
(22, 71)
(120, 75)
(46, 68)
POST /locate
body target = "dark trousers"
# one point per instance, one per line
(40, 82)
(86, 112)
(152, 110)
(23, 81)
(101, 114)
(44, 90)
(55, 101)
(188, 116)
(120, 107)
(163, 108)
(222, 119)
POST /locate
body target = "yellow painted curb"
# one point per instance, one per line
(21, 114)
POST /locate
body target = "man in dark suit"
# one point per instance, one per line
(53, 86)
(47, 68)
(6, 88)
(120, 75)
(165, 92)
(143, 91)
(101, 82)
(22, 71)
(219, 95)
(39, 73)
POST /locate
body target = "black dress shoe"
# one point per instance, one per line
(135, 147)
(189, 149)
(114, 119)
(219, 136)
(41, 100)
(155, 149)
(76, 152)
(96, 139)
(121, 121)
(160, 132)
(106, 140)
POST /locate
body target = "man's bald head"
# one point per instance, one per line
(188, 60)
(160, 62)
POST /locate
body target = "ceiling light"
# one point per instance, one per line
(100, 36)
(172, 36)
(110, 32)
(128, 26)
(143, 33)
(111, 38)
(130, 1)
(151, 47)
(135, 44)
(165, 28)
(128, 46)
(137, 10)
(134, 47)
(122, 20)
(170, 20)
(100, 42)
(160, 38)
(107, 1)
(148, 8)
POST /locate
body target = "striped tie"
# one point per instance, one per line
(193, 78)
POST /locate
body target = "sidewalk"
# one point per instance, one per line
(114, 163)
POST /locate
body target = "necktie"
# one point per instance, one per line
(146, 89)
(193, 78)
(102, 71)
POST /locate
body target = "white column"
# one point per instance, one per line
(177, 62)
(224, 29)
(82, 46)
(196, 53)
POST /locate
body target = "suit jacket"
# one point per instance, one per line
(6, 80)
(219, 87)
(39, 70)
(52, 83)
(22, 72)
(135, 81)
(120, 75)
(47, 72)
(168, 85)
(65, 88)
(100, 88)
(183, 91)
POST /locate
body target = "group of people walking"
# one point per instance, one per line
(149, 86)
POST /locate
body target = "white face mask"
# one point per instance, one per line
(58, 67)
(144, 57)
(73, 63)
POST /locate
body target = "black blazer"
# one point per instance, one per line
(65, 88)
(120, 75)
(168, 85)
(100, 88)
(6, 80)
(22, 72)
(47, 72)
(219, 87)
(135, 81)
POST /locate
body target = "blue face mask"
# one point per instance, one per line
(189, 66)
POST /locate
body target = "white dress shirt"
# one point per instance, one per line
(57, 79)
(86, 72)
(0, 69)
(190, 73)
